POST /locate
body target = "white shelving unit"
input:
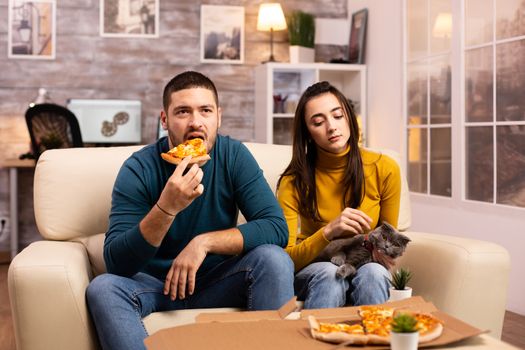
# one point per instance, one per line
(273, 122)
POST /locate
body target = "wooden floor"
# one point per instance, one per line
(7, 337)
(513, 327)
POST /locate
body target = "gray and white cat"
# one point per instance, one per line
(381, 245)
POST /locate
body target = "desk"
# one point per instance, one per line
(13, 165)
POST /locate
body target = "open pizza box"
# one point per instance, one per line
(270, 330)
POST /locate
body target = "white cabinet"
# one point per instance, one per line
(278, 87)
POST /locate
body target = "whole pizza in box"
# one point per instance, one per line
(373, 327)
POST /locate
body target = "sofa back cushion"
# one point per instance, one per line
(72, 190)
(405, 212)
(272, 159)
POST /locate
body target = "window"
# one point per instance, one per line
(428, 67)
(484, 118)
(494, 114)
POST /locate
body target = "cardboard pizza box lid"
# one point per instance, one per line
(253, 335)
(244, 316)
(268, 330)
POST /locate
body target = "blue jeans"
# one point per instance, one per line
(262, 279)
(319, 287)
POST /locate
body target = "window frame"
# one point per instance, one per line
(458, 199)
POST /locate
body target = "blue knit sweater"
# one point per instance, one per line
(232, 181)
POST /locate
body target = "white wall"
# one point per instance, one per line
(384, 58)
(384, 49)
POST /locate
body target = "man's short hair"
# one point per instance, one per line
(188, 80)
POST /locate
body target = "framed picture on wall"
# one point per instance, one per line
(129, 18)
(356, 47)
(31, 29)
(222, 34)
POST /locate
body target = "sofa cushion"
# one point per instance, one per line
(83, 180)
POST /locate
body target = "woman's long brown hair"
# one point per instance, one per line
(304, 157)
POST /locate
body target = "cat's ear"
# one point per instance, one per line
(404, 239)
(387, 226)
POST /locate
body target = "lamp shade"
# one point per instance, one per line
(271, 17)
(443, 26)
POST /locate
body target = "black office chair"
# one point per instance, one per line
(52, 126)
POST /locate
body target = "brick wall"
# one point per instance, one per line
(90, 66)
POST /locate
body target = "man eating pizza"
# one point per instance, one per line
(173, 240)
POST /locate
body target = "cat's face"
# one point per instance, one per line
(388, 240)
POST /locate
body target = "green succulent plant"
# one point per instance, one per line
(301, 29)
(400, 278)
(404, 323)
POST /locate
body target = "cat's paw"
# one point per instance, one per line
(345, 271)
(337, 260)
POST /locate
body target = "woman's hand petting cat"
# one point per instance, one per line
(349, 223)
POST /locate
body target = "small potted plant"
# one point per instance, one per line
(301, 31)
(404, 333)
(399, 289)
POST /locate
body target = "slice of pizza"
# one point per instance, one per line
(196, 148)
(377, 322)
(351, 334)
(429, 326)
(375, 311)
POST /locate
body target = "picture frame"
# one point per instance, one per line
(129, 18)
(357, 44)
(31, 29)
(222, 34)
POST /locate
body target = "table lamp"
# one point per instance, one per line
(271, 17)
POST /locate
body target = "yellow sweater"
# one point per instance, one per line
(381, 200)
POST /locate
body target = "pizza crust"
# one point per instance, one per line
(335, 337)
(432, 334)
(200, 160)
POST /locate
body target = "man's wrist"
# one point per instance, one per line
(165, 211)
(203, 241)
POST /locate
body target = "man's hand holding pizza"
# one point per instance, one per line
(181, 189)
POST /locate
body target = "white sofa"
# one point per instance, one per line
(72, 191)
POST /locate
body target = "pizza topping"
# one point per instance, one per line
(194, 147)
(377, 319)
(426, 323)
(374, 328)
(341, 327)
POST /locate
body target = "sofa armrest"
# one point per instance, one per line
(466, 278)
(47, 283)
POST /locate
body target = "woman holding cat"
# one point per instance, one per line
(334, 189)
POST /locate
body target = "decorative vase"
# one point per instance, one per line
(301, 54)
(404, 341)
(396, 294)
